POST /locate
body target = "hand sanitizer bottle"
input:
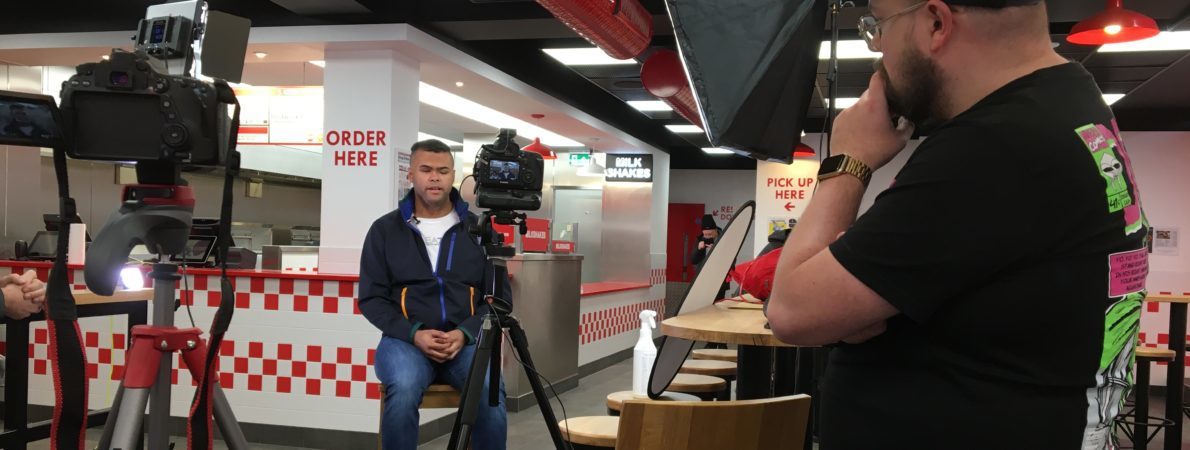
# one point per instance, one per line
(644, 353)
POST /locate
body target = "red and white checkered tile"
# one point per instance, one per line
(314, 370)
(616, 320)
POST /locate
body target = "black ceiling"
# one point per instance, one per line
(509, 34)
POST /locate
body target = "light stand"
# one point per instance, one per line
(159, 216)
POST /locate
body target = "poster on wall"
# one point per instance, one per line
(778, 224)
(1165, 241)
(782, 193)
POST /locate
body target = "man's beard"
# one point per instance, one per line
(919, 100)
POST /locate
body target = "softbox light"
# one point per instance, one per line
(752, 64)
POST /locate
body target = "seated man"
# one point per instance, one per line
(422, 278)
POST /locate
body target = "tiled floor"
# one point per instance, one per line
(527, 431)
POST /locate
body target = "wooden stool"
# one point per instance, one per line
(439, 396)
(702, 386)
(1140, 421)
(717, 354)
(436, 396)
(615, 400)
(721, 369)
(590, 432)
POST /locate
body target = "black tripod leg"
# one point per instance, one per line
(460, 435)
(520, 345)
(494, 370)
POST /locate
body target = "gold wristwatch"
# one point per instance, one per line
(844, 164)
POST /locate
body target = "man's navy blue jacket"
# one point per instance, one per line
(399, 292)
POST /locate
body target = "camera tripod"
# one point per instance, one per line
(160, 216)
(487, 353)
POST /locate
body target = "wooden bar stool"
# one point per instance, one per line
(616, 399)
(736, 425)
(722, 369)
(704, 387)
(717, 354)
(436, 396)
(1140, 421)
(590, 432)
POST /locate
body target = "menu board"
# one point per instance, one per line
(280, 115)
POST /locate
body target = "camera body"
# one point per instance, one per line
(507, 178)
(124, 109)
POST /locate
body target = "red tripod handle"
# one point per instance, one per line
(150, 343)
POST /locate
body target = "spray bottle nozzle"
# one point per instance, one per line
(649, 317)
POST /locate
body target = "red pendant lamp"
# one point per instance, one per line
(541, 149)
(803, 150)
(622, 28)
(1113, 25)
(663, 76)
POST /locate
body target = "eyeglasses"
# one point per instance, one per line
(869, 26)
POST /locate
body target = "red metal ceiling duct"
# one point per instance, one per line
(622, 28)
(663, 76)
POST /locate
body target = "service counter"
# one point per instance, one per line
(299, 353)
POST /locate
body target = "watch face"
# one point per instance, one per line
(832, 164)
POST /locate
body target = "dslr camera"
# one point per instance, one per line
(506, 178)
(123, 109)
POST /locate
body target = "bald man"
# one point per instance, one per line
(991, 297)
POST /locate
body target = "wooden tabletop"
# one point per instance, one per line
(599, 431)
(134, 295)
(1168, 298)
(615, 400)
(722, 324)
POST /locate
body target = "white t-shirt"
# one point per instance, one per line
(432, 231)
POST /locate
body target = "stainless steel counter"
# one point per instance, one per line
(545, 293)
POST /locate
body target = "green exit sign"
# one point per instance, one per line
(580, 159)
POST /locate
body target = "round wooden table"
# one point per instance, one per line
(766, 367)
(1175, 371)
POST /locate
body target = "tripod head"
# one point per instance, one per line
(493, 244)
(158, 216)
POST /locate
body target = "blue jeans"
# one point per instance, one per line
(406, 373)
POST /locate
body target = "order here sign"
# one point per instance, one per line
(356, 147)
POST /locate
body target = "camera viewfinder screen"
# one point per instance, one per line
(120, 127)
(27, 122)
(504, 171)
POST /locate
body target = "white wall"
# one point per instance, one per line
(715, 189)
(1161, 161)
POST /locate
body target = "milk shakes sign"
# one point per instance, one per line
(356, 147)
(629, 167)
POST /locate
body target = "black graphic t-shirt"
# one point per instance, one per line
(1013, 244)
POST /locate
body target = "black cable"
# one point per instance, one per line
(537, 374)
(186, 291)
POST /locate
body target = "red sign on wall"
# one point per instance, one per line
(562, 247)
(537, 238)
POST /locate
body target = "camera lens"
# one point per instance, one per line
(120, 79)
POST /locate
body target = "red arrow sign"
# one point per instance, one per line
(789, 206)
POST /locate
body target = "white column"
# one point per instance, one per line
(370, 119)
